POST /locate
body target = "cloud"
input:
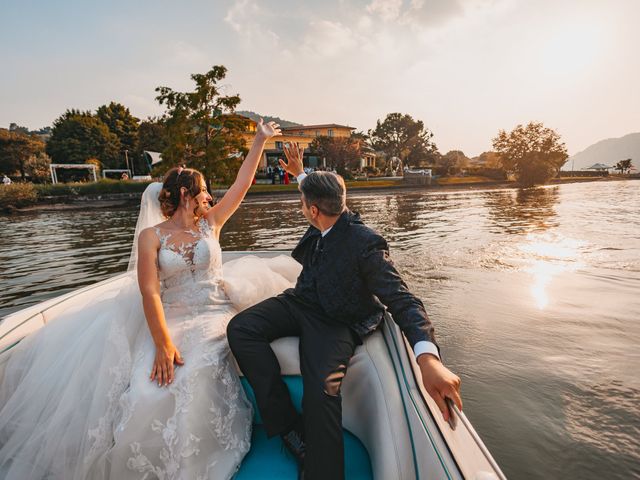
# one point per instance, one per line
(329, 38)
(246, 17)
(182, 53)
(387, 10)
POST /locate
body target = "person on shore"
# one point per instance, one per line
(338, 300)
(98, 393)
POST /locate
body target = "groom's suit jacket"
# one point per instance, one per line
(349, 274)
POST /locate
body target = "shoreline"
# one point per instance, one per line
(119, 200)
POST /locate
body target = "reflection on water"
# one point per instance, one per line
(549, 256)
(523, 210)
(534, 294)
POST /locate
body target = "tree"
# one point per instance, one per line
(403, 137)
(489, 160)
(122, 124)
(77, 136)
(37, 167)
(341, 153)
(453, 161)
(202, 129)
(152, 136)
(16, 148)
(533, 153)
(624, 165)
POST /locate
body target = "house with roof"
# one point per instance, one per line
(304, 135)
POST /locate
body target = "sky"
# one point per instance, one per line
(466, 68)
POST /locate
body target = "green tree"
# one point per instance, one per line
(533, 153)
(401, 136)
(203, 131)
(624, 165)
(341, 153)
(16, 149)
(152, 136)
(122, 124)
(77, 136)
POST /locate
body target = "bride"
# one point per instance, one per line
(100, 394)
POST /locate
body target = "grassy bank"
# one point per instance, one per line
(19, 195)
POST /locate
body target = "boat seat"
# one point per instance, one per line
(377, 437)
(268, 460)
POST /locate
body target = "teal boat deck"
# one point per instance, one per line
(268, 460)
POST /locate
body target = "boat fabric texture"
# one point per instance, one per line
(76, 400)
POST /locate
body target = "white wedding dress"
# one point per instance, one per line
(76, 401)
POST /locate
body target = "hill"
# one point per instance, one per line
(609, 152)
(255, 116)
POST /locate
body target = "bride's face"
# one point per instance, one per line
(202, 200)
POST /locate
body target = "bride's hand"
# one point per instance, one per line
(267, 130)
(163, 365)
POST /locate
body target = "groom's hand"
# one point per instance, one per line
(440, 383)
(294, 154)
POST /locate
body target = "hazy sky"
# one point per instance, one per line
(467, 68)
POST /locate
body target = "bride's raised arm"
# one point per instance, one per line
(231, 200)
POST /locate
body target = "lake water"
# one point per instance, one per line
(535, 295)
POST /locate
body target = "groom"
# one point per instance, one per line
(347, 279)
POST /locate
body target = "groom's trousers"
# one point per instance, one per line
(325, 350)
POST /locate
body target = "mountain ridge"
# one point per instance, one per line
(608, 151)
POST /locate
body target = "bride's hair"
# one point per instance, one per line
(173, 181)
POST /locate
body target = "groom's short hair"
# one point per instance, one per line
(325, 190)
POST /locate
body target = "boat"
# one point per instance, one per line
(392, 428)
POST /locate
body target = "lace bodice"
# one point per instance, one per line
(190, 267)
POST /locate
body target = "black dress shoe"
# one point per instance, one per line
(293, 440)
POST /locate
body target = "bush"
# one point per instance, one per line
(17, 195)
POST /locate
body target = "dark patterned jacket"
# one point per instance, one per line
(355, 279)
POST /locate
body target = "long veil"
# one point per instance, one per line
(150, 215)
(67, 378)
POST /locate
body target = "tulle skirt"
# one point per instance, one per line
(76, 401)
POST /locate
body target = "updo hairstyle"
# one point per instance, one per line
(173, 181)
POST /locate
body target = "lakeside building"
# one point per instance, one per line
(304, 136)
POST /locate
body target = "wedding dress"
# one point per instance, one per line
(76, 400)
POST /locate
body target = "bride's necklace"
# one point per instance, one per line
(181, 227)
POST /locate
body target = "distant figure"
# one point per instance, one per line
(272, 174)
(286, 178)
(6, 180)
(124, 176)
(281, 175)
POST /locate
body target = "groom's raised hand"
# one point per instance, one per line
(294, 154)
